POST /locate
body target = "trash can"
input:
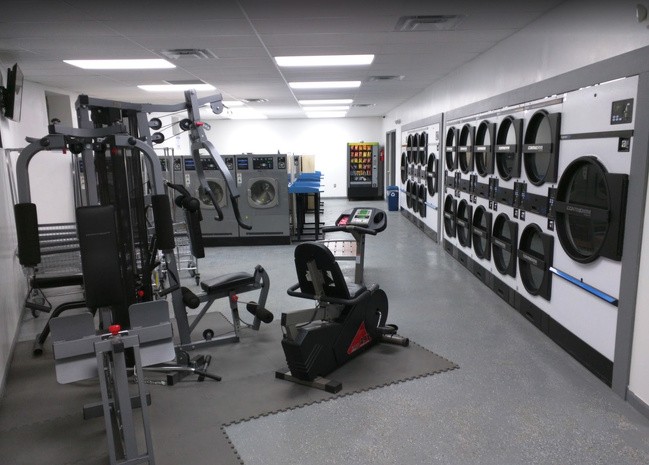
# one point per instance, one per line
(393, 198)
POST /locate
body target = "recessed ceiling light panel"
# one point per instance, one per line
(326, 114)
(324, 60)
(154, 63)
(325, 85)
(333, 101)
(175, 88)
(327, 108)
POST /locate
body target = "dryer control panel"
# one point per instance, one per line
(262, 163)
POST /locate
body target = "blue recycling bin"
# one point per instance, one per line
(393, 198)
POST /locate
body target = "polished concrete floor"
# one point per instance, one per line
(517, 398)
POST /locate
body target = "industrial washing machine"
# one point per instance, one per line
(214, 232)
(263, 183)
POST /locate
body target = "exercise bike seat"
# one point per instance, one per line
(335, 285)
(227, 282)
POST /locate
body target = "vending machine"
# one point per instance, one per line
(364, 171)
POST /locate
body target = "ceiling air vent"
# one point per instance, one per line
(363, 105)
(425, 23)
(386, 78)
(255, 100)
(196, 53)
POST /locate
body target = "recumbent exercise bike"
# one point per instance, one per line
(347, 320)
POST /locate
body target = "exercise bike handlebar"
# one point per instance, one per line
(332, 300)
(350, 229)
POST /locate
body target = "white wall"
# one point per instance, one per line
(573, 35)
(51, 191)
(325, 138)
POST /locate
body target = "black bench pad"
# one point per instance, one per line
(227, 282)
(50, 281)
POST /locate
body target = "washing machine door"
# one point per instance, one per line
(421, 198)
(408, 194)
(504, 244)
(218, 188)
(414, 195)
(535, 255)
(590, 210)
(482, 233)
(263, 192)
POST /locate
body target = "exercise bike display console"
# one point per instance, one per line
(359, 222)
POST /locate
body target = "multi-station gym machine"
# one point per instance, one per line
(124, 222)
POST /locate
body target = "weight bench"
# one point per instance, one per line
(230, 286)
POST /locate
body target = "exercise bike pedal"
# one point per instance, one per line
(387, 330)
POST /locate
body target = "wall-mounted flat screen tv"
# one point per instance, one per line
(13, 93)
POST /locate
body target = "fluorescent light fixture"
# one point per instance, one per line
(333, 101)
(325, 84)
(152, 63)
(326, 114)
(325, 60)
(331, 108)
(175, 87)
(232, 103)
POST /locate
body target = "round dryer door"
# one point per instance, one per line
(482, 233)
(263, 192)
(504, 244)
(404, 167)
(508, 155)
(450, 213)
(451, 149)
(217, 190)
(431, 174)
(414, 195)
(542, 147)
(423, 148)
(421, 198)
(484, 146)
(589, 210)
(535, 259)
(408, 196)
(465, 148)
(409, 147)
(464, 219)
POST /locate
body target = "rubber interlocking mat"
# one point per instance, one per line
(41, 421)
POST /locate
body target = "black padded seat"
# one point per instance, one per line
(335, 284)
(50, 281)
(227, 282)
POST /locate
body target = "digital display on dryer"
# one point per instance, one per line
(262, 163)
(242, 163)
(189, 164)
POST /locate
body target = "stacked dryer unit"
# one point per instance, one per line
(534, 206)
(263, 185)
(419, 197)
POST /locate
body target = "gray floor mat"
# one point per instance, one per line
(41, 421)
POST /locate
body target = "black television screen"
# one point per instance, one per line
(14, 93)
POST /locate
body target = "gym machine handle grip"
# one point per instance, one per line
(332, 300)
(219, 212)
(349, 228)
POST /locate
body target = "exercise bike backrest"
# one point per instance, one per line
(335, 288)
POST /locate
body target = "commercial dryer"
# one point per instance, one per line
(263, 184)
